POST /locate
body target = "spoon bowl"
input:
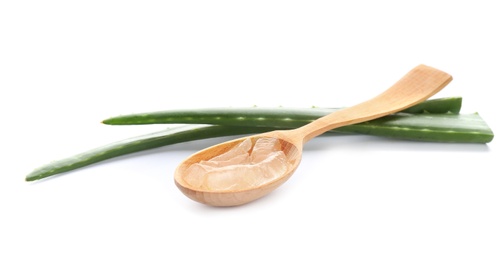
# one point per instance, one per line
(293, 152)
(416, 86)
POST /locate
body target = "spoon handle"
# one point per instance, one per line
(416, 86)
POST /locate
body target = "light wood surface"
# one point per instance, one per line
(416, 86)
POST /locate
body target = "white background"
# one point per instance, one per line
(66, 65)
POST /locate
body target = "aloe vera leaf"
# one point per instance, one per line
(424, 127)
(254, 116)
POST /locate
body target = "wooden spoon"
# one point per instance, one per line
(416, 86)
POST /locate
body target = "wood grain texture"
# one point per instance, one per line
(416, 86)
